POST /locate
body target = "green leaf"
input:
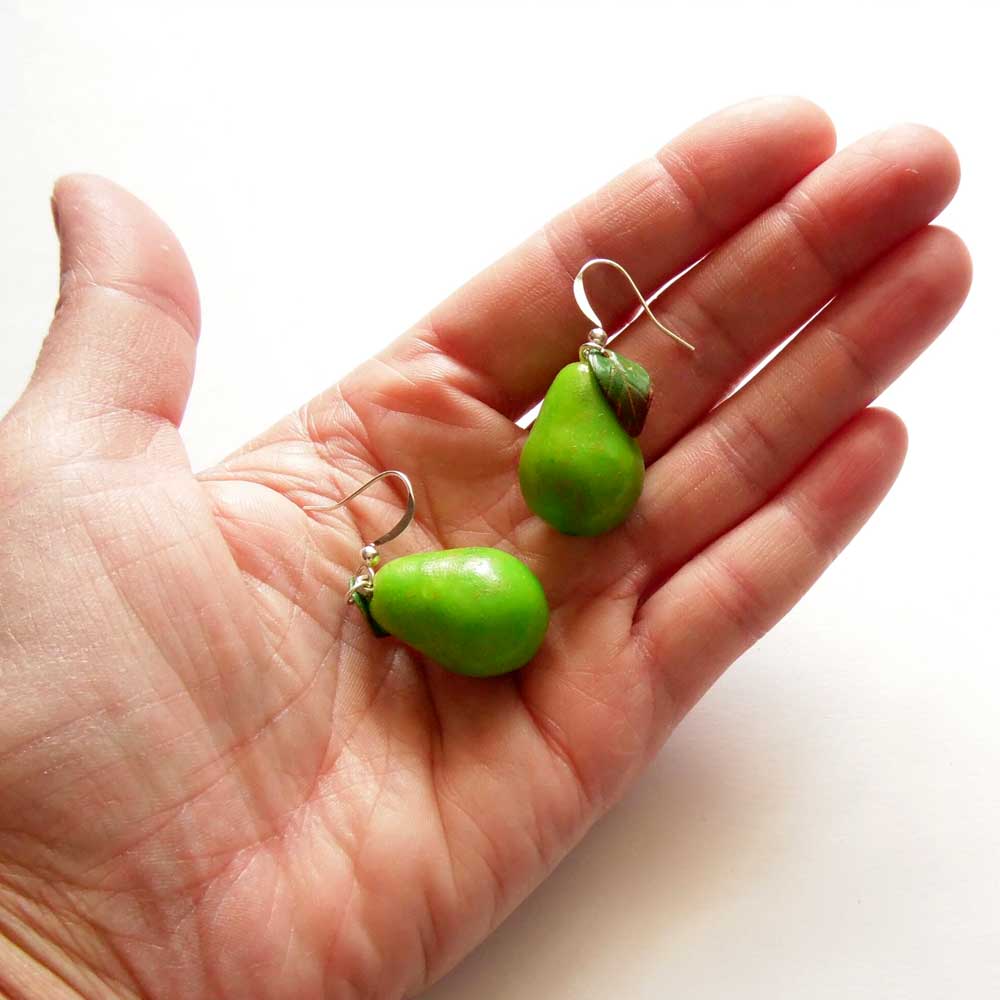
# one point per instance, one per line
(626, 387)
(364, 604)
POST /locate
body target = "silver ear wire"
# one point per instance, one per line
(401, 525)
(598, 337)
(364, 580)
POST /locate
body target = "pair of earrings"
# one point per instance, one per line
(480, 611)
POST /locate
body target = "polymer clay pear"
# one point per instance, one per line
(476, 611)
(581, 469)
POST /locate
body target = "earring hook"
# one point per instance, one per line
(580, 294)
(401, 525)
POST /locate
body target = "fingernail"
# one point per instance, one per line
(55, 214)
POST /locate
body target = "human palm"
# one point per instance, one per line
(215, 781)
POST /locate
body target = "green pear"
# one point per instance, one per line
(579, 470)
(476, 611)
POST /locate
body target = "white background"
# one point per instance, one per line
(826, 824)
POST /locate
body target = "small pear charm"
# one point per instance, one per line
(475, 611)
(581, 468)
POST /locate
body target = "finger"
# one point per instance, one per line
(750, 445)
(123, 337)
(511, 327)
(767, 280)
(725, 599)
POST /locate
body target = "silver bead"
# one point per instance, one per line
(369, 555)
(598, 337)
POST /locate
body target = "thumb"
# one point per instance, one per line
(123, 337)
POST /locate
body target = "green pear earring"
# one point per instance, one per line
(476, 611)
(581, 468)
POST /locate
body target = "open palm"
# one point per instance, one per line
(215, 781)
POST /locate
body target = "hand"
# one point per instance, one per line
(215, 781)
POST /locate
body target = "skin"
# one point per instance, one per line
(579, 470)
(477, 611)
(213, 780)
